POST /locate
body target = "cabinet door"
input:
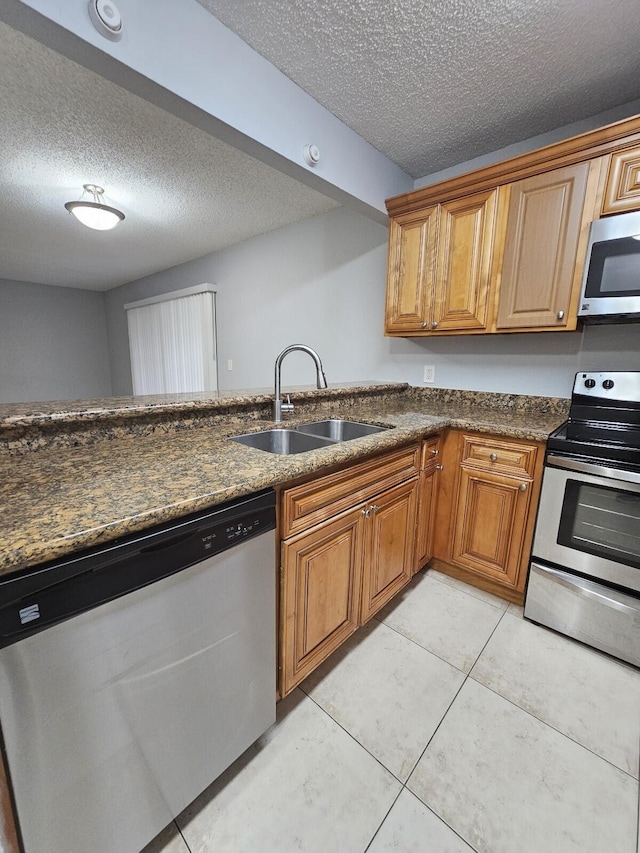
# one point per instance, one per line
(622, 192)
(427, 503)
(464, 269)
(320, 595)
(390, 548)
(544, 225)
(410, 278)
(490, 524)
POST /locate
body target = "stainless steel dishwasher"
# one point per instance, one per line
(133, 675)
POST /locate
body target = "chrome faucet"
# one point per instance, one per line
(321, 380)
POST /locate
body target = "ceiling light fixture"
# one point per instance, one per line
(94, 214)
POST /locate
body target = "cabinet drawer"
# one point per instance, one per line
(502, 457)
(319, 499)
(430, 453)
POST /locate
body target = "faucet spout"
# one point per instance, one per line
(321, 379)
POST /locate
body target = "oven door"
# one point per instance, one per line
(589, 521)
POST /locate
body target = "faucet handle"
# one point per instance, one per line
(288, 406)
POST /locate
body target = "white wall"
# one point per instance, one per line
(53, 343)
(322, 282)
(318, 282)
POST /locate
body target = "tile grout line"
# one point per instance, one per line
(415, 643)
(346, 731)
(470, 594)
(402, 784)
(467, 675)
(553, 728)
(540, 720)
(182, 836)
(371, 840)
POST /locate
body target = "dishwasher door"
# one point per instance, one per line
(116, 719)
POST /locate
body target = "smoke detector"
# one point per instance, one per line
(106, 18)
(311, 154)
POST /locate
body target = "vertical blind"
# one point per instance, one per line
(173, 343)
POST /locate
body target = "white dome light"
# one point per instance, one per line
(94, 214)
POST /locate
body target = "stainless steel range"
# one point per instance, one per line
(585, 570)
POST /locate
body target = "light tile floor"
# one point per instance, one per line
(449, 724)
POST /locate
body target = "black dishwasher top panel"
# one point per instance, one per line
(43, 595)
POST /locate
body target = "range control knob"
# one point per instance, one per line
(589, 383)
(608, 383)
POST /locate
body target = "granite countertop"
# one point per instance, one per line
(74, 493)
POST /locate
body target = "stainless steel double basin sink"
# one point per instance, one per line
(307, 436)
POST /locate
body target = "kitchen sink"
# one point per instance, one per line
(338, 429)
(284, 441)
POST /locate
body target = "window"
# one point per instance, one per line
(172, 342)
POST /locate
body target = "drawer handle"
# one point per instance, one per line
(523, 487)
(493, 457)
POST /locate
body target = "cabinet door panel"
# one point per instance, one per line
(463, 277)
(543, 231)
(623, 183)
(412, 240)
(389, 555)
(320, 594)
(490, 523)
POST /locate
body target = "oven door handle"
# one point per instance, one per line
(590, 468)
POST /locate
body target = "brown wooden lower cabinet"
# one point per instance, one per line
(486, 511)
(338, 572)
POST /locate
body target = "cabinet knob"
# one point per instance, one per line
(560, 315)
(434, 324)
(366, 513)
(424, 325)
(439, 467)
(493, 457)
(434, 452)
(523, 487)
(374, 508)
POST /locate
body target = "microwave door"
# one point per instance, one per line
(611, 282)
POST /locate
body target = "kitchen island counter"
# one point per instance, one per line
(66, 486)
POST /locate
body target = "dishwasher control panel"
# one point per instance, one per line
(224, 535)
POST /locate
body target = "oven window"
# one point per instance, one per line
(601, 521)
(614, 268)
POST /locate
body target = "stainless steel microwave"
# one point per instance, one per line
(611, 281)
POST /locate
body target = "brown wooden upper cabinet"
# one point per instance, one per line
(545, 244)
(622, 192)
(502, 249)
(441, 273)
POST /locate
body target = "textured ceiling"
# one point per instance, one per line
(435, 83)
(184, 194)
